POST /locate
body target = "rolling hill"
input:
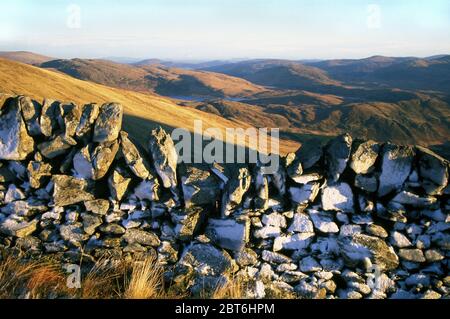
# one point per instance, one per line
(156, 78)
(143, 111)
(25, 57)
(281, 74)
(431, 73)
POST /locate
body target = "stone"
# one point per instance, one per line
(89, 113)
(349, 230)
(108, 123)
(293, 165)
(17, 227)
(246, 257)
(38, 172)
(69, 190)
(434, 171)
(200, 186)
(164, 156)
(275, 258)
(307, 178)
(141, 237)
(274, 219)
(412, 255)
(15, 143)
(71, 115)
(97, 206)
(133, 157)
(82, 163)
(301, 224)
(12, 194)
(261, 184)
(309, 264)
(58, 146)
(309, 155)
(395, 167)
(102, 157)
(408, 198)
(188, 222)
(147, 189)
(364, 157)
(73, 233)
(337, 154)
(338, 197)
(366, 183)
(323, 221)
(31, 111)
(399, 240)
(267, 232)
(51, 112)
(355, 249)
(239, 182)
(90, 223)
(118, 184)
(228, 233)
(112, 229)
(206, 260)
(433, 255)
(376, 230)
(304, 194)
(293, 242)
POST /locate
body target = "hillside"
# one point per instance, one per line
(156, 78)
(407, 73)
(281, 74)
(25, 57)
(142, 111)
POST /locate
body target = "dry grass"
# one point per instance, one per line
(146, 281)
(47, 279)
(233, 289)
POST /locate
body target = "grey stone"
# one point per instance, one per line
(69, 190)
(188, 221)
(17, 227)
(434, 171)
(337, 154)
(132, 157)
(56, 147)
(165, 157)
(323, 221)
(357, 248)
(89, 113)
(118, 184)
(200, 186)
(364, 157)
(338, 197)
(108, 123)
(412, 255)
(395, 167)
(228, 233)
(304, 194)
(15, 143)
(141, 237)
(301, 224)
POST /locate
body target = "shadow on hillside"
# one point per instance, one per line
(139, 131)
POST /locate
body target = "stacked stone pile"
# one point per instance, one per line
(352, 219)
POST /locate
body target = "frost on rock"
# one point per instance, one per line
(338, 197)
(15, 143)
(165, 157)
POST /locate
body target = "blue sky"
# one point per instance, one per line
(213, 29)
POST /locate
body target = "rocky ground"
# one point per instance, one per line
(354, 219)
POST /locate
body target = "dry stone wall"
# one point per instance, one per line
(352, 219)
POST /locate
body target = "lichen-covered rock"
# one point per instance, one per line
(355, 249)
(200, 186)
(17, 227)
(50, 114)
(364, 157)
(97, 206)
(58, 146)
(395, 167)
(89, 113)
(238, 184)
(69, 190)
(102, 157)
(164, 156)
(31, 111)
(188, 221)
(132, 157)
(108, 123)
(304, 194)
(38, 172)
(141, 237)
(118, 184)
(147, 189)
(15, 143)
